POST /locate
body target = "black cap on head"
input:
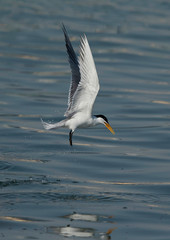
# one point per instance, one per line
(102, 116)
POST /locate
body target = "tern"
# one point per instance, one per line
(83, 90)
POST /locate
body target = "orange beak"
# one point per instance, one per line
(109, 127)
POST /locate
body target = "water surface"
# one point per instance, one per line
(105, 186)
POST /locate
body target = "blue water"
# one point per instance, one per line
(105, 186)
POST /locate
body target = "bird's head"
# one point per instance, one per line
(103, 120)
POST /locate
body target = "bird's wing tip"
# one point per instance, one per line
(63, 28)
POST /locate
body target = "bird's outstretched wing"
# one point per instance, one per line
(74, 64)
(88, 86)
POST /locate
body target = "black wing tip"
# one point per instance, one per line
(63, 28)
(67, 39)
(65, 32)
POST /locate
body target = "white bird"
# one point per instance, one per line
(84, 88)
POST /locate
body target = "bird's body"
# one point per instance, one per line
(84, 88)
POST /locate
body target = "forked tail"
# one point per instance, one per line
(49, 126)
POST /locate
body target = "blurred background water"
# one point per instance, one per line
(104, 187)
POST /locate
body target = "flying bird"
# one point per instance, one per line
(83, 90)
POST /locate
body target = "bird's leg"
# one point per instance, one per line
(70, 137)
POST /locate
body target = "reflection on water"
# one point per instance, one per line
(84, 217)
(80, 232)
(69, 231)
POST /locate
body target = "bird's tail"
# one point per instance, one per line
(49, 126)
